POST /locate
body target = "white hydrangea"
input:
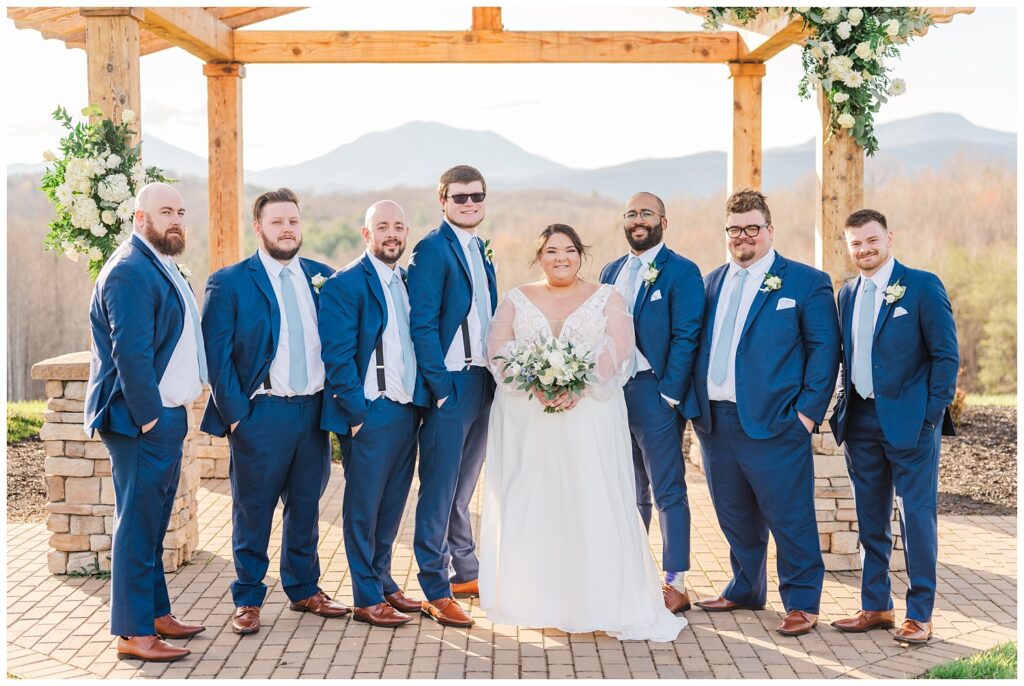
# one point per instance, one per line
(114, 188)
(76, 171)
(84, 186)
(863, 50)
(840, 97)
(113, 161)
(84, 212)
(844, 29)
(897, 87)
(95, 253)
(831, 15)
(96, 167)
(855, 15)
(846, 120)
(840, 65)
(98, 230)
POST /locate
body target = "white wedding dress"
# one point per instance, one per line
(561, 542)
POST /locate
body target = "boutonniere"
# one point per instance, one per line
(651, 275)
(770, 283)
(405, 277)
(185, 271)
(894, 292)
(489, 251)
(318, 281)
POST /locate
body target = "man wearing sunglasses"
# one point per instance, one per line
(665, 293)
(767, 366)
(453, 294)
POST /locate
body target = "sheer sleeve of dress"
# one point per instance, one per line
(501, 338)
(614, 356)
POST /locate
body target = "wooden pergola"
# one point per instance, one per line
(115, 38)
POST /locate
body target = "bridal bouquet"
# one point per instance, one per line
(548, 365)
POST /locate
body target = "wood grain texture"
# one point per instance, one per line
(224, 121)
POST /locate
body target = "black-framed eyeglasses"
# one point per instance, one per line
(750, 231)
(647, 215)
(461, 198)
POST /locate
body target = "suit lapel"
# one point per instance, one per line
(847, 298)
(714, 291)
(776, 269)
(492, 281)
(460, 255)
(306, 267)
(160, 267)
(641, 293)
(883, 313)
(613, 273)
(262, 279)
(373, 279)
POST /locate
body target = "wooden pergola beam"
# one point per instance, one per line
(487, 19)
(225, 180)
(792, 34)
(193, 29)
(276, 47)
(112, 60)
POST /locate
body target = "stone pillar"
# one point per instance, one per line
(79, 488)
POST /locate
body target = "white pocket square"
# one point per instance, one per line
(899, 312)
(656, 296)
(785, 304)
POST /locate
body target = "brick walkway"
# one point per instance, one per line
(57, 626)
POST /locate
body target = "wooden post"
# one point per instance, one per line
(840, 163)
(112, 49)
(745, 154)
(224, 121)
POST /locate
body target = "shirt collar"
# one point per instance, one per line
(882, 276)
(758, 269)
(274, 268)
(464, 235)
(648, 256)
(385, 272)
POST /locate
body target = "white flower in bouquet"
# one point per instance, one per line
(49, 156)
(844, 29)
(897, 87)
(840, 97)
(855, 15)
(77, 169)
(892, 27)
(96, 167)
(94, 254)
(814, 80)
(84, 212)
(853, 80)
(70, 250)
(113, 161)
(84, 186)
(831, 14)
(98, 230)
(64, 194)
(774, 12)
(863, 50)
(828, 47)
(126, 209)
(126, 228)
(817, 53)
(128, 116)
(840, 65)
(108, 217)
(846, 120)
(114, 188)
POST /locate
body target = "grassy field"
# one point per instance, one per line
(998, 663)
(24, 419)
(1007, 400)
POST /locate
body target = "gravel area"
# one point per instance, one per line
(977, 475)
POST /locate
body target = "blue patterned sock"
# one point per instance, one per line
(676, 580)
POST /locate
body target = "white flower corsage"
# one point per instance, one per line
(185, 271)
(489, 251)
(894, 292)
(770, 283)
(318, 281)
(651, 275)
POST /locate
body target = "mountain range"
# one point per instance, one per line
(412, 155)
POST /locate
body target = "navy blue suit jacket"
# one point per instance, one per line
(241, 326)
(136, 317)
(668, 329)
(787, 360)
(914, 358)
(441, 294)
(353, 316)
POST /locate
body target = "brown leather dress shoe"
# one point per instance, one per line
(797, 623)
(674, 600)
(913, 631)
(723, 604)
(320, 604)
(380, 614)
(470, 589)
(447, 612)
(866, 620)
(168, 626)
(402, 602)
(246, 620)
(148, 649)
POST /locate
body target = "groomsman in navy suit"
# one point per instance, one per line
(147, 368)
(665, 293)
(454, 293)
(371, 404)
(768, 362)
(260, 323)
(900, 364)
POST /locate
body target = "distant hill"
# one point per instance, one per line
(412, 155)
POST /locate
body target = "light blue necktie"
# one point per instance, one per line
(720, 359)
(480, 290)
(186, 295)
(631, 278)
(297, 376)
(402, 322)
(862, 346)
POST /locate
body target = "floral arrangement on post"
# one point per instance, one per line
(92, 186)
(844, 55)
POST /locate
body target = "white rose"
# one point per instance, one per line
(853, 80)
(113, 161)
(49, 156)
(897, 87)
(70, 250)
(556, 359)
(831, 15)
(892, 27)
(547, 378)
(840, 97)
(855, 15)
(98, 230)
(846, 120)
(844, 29)
(128, 117)
(108, 217)
(863, 50)
(94, 254)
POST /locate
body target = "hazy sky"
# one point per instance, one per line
(578, 115)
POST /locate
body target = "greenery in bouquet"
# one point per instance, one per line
(844, 55)
(547, 365)
(92, 186)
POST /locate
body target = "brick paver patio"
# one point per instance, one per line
(57, 626)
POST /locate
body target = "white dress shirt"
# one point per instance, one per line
(881, 281)
(622, 284)
(753, 283)
(280, 368)
(394, 367)
(455, 359)
(180, 384)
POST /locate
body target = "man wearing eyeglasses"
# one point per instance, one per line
(767, 366)
(665, 294)
(453, 294)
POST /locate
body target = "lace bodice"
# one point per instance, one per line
(584, 327)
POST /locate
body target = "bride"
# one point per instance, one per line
(562, 544)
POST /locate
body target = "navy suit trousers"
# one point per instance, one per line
(762, 485)
(145, 471)
(278, 453)
(876, 468)
(452, 444)
(378, 465)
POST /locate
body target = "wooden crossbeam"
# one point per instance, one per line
(256, 47)
(793, 34)
(487, 19)
(193, 29)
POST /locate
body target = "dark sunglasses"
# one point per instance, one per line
(461, 198)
